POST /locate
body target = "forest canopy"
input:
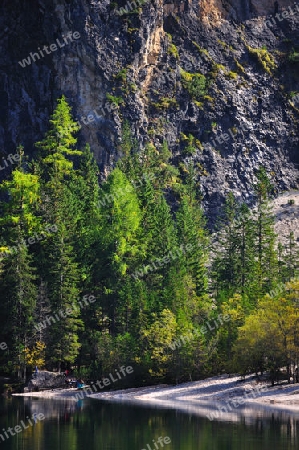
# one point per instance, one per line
(125, 272)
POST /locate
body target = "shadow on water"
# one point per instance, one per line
(95, 425)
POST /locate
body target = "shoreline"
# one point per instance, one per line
(216, 394)
(218, 398)
(50, 393)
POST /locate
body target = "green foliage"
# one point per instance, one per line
(216, 68)
(156, 340)
(232, 75)
(59, 140)
(201, 50)
(173, 51)
(192, 144)
(234, 264)
(191, 230)
(117, 100)
(17, 288)
(126, 214)
(138, 243)
(293, 56)
(240, 68)
(195, 83)
(267, 263)
(121, 75)
(265, 59)
(267, 340)
(246, 260)
(165, 103)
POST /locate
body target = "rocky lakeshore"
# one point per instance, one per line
(221, 397)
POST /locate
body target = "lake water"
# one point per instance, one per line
(96, 425)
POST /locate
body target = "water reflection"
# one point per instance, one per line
(95, 425)
(246, 414)
(60, 409)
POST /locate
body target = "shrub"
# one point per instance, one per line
(192, 144)
(293, 56)
(190, 150)
(195, 83)
(232, 75)
(117, 100)
(216, 68)
(240, 68)
(122, 75)
(165, 103)
(173, 51)
(265, 58)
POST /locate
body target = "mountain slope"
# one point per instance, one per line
(218, 80)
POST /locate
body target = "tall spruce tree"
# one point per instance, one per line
(59, 271)
(226, 258)
(265, 238)
(17, 288)
(191, 231)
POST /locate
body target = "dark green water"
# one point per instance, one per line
(95, 425)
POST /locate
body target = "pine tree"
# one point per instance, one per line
(267, 262)
(245, 228)
(57, 146)
(226, 260)
(85, 189)
(191, 231)
(18, 290)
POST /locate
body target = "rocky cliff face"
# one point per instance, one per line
(217, 79)
(239, 9)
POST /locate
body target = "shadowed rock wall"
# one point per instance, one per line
(139, 58)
